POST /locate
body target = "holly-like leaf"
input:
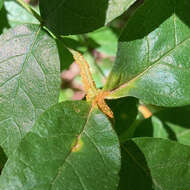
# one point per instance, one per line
(71, 147)
(155, 164)
(29, 81)
(13, 14)
(170, 123)
(75, 17)
(153, 55)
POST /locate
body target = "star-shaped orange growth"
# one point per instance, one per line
(94, 95)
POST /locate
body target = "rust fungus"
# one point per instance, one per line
(94, 95)
(145, 111)
(78, 145)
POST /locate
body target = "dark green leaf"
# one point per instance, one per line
(14, 14)
(157, 164)
(3, 159)
(153, 56)
(173, 123)
(1, 3)
(29, 81)
(4, 25)
(132, 176)
(66, 58)
(75, 17)
(125, 112)
(71, 147)
(75, 42)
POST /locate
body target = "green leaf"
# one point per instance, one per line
(3, 159)
(170, 123)
(75, 42)
(71, 146)
(106, 39)
(66, 58)
(14, 14)
(155, 164)
(1, 3)
(125, 112)
(152, 127)
(3, 20)
(29, 81)
(132, 177)
(74, 17)
(153, 55)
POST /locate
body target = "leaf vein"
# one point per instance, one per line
(93, 142)
(70, 152)
(11, 57)
(155, 63)
(43, 71)
(9, 79)
(28, 56)
(78, 176)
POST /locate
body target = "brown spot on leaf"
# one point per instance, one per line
(77, 145)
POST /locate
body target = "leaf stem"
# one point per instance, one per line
(130, 131)
(30, 10)
(99, 69)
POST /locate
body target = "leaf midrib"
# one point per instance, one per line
(28, 54)
(70, 152)
(146, 70)
(18, 74)
(138, 164)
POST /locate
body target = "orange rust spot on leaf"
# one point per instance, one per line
(145, 111)
(78, 145)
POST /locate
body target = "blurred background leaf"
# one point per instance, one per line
(1, 4)
(170, 123)
(13, 14)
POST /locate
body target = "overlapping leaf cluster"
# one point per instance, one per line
(72, 145)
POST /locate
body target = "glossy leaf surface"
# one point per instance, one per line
(29, 81)
(74, 17)
(71, 147)
(156, 164)
(153, 55)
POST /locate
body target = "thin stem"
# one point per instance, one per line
(99, 69)
(50, 33)
(84, 40)
(30, 10)
(130, 131)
